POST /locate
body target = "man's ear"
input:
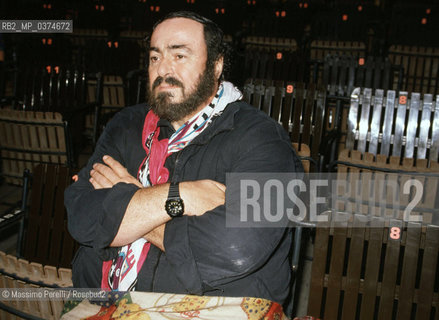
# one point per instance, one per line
(219, 64)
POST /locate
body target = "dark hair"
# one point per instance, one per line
(213, 35)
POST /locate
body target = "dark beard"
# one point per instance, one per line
(172, 112)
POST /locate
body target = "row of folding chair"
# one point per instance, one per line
(110, 91)
(319, 49)
(407, 68)
(373, 268)
(386, 186)
(376, 255)
(389, 123)
(274, 65)
(420, 65)
(353, 276)
(299, 108)
(342, 73)
(336, 63)
(29, 138)
(283, 59)
(346, 21)
(41, 49)
(25, 275)
(92, 50)
(343, 24)
(45, 121)
(413, 68)
(81, 102)
(110, 56)
(54, 88)
(394, 123)
(44, 249)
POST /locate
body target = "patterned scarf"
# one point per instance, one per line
(121, 272)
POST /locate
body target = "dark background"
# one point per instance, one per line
(377, 23)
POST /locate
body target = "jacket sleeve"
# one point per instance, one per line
(213, 254)
(94, 216)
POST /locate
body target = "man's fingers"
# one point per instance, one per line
(95, 184)
(220, 186)
(100, 179)
(122, 174)
(115, 165)
(106, 171)
(112, 172)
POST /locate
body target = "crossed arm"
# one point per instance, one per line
(145, 215)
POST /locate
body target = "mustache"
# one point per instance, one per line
(169, 80)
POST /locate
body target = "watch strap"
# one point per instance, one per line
(174, 191)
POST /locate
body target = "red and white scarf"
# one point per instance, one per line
(120, 274)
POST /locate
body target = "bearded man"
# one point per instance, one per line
(149, 207)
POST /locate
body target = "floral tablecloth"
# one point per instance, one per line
(146, 305)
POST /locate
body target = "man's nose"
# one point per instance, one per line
(164, 67)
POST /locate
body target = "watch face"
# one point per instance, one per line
(174, 207)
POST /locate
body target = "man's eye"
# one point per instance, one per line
(153, 59)
(180, 56)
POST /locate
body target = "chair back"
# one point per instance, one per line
(46, 239)
(421, 67)
(373, 269)
(299, 108)
(23, 274)
(384, 122)
(29, 138)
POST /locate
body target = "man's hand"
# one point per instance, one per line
(201, 196)
(112, 172)
(108, 174)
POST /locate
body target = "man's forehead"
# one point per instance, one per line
(171, 46)
(179, 31)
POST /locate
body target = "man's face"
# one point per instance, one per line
(179, 81)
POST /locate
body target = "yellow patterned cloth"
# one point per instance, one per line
(161, 306)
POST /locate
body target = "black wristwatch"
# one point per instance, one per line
(174, 204)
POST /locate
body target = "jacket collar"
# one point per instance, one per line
(224, 122)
